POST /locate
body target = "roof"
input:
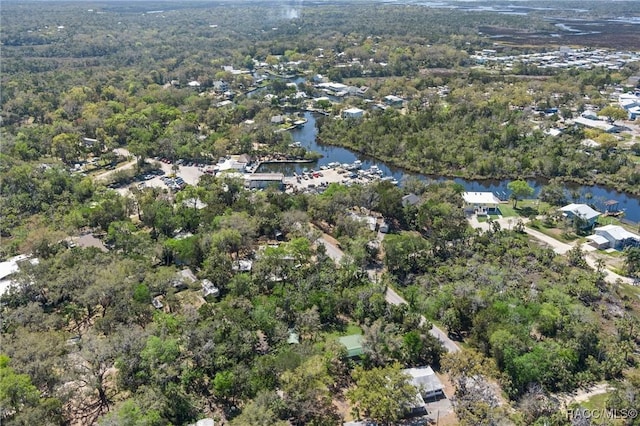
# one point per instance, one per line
(353, 343)
(410, 199)
(294, 338)
(598, 239)
(480, 198)
(196, 203)
(424, 379)
(597, 124)
(188, 275)
(618, 233)
(89, 240)
(582, 210)
(11, 266)
(353, 111)
(265, 176)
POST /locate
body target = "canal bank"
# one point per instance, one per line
(307, 136)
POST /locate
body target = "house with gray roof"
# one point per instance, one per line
(580, 211)
(614, 236)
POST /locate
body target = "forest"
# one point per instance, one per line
(159, 320)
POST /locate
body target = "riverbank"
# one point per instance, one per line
(540, 179)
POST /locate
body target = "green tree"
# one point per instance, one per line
(613, 112)
(17, 393)
(67, 147)
(632, 260)
(519, 189)
(382, 394)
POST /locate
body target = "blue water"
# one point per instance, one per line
(306, 135)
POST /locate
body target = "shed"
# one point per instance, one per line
(353, 343)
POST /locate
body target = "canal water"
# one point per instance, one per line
(306, 135)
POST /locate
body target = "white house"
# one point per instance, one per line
(613, 236)
(9, 268)
(480, 203)
(426, 381)
(354, 113)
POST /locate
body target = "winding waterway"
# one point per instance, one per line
(306, 135)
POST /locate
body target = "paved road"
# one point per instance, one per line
(393, 298)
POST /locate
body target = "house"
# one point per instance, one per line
(393, 101)
(242, 265)
(426, 381)
(194, 84)
(481, 203)
(353, 113)
(580, 211)
(596, 124)
(220, 86)
(614, 236)
(264, 180)
(9, 268)
(183, 279)
(89, 142)
(410, 200)
(353, 343)
(89, 240)
(209, 290)
(277, 119)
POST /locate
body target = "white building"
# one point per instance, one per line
(613, 236)
(426, 381)
(353, 113)
(11, 267)
(481, 203)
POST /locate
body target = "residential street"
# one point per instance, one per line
(335, 253)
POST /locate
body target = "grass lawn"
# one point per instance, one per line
(524, 208)
(349, 330)
(596, 402)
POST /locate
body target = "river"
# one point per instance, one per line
(306, 135)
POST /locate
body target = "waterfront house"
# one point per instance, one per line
(613, 236)
(580, 211)
(481, 203)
